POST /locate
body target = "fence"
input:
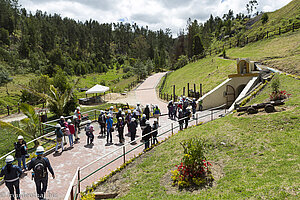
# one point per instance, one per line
(74, 187)
(241, 42)
(10, 110)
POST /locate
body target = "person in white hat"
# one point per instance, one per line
(132, 129)
(146, 134)
(138, 111)
(21, 152)
(128, 120)
(102, 121)
(59, 135)
(89, 129)
(155, 132)
(77, 120)
(120, 127)
(77, 128)
(111, 111)
(72, 131)
(40, 166)
(119, 114)
(11, 175)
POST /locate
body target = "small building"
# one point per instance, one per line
(234, 88)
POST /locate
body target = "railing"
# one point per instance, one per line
(10, 109)
(73, 194)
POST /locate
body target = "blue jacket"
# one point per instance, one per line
(31, 164)
(109, 123)
(14, 173)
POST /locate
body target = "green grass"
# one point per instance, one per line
(259, 161)
(210, 71)
(281, 52)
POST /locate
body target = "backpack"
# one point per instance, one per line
(58, 133)
(39, 169)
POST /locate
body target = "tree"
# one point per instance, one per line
(4, 77)
(251, 6)
(198, 48)
(264, 18)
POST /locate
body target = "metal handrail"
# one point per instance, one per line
(71, 184)
(125, 153)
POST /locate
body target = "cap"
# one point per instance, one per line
(111, 107)
(123, 113)
(144, 115)
(147, 122)
(129, 111)
(9, 159)
(74, 117)
(89, 121)
(39, 150)
(120, 117)
(78, 108)
(62, 117)
(120, 109)
(69, 121)
(57, 126)
(20, 137)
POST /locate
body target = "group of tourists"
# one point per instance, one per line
(40, 166)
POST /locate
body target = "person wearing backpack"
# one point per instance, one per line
(101, 121)
(11, 175)
(120, 127)
(39, 165)
(155, 132)
(72, 131)
(21, 151)
(109, 123)
(89, 132)
(146, 135)
(59, 136)
(132, 128)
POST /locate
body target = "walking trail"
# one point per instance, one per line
(65, 164)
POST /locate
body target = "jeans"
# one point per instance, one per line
(62, 145)
(154, 139)
(41, 186)
(71, 139)
(109, 135)
(22, 159)
(132, 135)
(11, 187)
(90, 138)
(102, 127)
(147, 144)
(121, 135)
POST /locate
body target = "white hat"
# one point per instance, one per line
(57, 126)
(20, 137)
(111, 107)
(74, 117)
(40, 149)
(9, 159)
(180, 110)
(89, 121)
(132, 119)
(144, 115)
(129, 111)
(69, 121)
(102, 111)
(109, 115)
(147, 122)
(120, 109)
(120, 117)
(123, 113)
(78, 108)
(62, 117)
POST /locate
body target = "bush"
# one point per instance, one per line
(194, 169)
(264, 18)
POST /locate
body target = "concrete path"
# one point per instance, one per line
(66, 163)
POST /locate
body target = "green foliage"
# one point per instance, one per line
(224, 53)
(275, 84)
(264, 18)
(4, 37)
(198, 48)
(4, 76)
(181, 62)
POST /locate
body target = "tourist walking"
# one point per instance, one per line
(170, 109)
(138, 111)
(11, 175)
(154, 132)
(175, 108)
(89, 129)
(128, 120)
(109, 123)
(40, 166)
(111, 111)
(72, 132)
(21, 152)
(101, 121)
(147, 135)
(120, 128)
(156, 113)
(147, 112)
(119, 114)
(132, 128)
(180, 119)
(77, 128)
(59, 136)
(187, 116)
(194, 104)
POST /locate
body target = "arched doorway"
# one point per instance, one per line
(240, 89)
(230, 95)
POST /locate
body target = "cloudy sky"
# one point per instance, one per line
(157, 14)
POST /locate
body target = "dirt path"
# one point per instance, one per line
(66, 163)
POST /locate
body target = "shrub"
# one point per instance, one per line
(194, 169)
(264, 18)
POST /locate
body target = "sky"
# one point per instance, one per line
(156, 14)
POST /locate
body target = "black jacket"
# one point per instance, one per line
(146, 131)
(15, 172)
(20, 150)
(132, 127)
(147, 112)
(48, 166)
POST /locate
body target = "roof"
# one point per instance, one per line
(97, 89)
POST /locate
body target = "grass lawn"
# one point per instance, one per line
(210, 71)
(281, 52)
(260, 158)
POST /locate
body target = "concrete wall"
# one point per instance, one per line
(216, 97)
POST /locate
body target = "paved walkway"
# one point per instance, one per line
(65, 164)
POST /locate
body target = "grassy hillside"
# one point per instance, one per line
(209, 71)
(281, 52)
(260, 158)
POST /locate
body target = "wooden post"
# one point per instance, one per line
(18, 107)
(211, 115)
(247, 40)
(293, 27)
(167, 97)
(267, 34)
(188, 89)
(256, 37)
(164, 96)
(172, 128)
(200, 89)
(171, 97)
(194, 90)
(210, 52)
(230, 45)
(78, 176)
(183, 93)
(279, 30)
(124, 160)
(7, 109)
(174, 93)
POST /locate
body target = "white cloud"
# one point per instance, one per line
(156, 14)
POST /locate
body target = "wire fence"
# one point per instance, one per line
(75, 185)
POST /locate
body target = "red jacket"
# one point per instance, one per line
(71, 128)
